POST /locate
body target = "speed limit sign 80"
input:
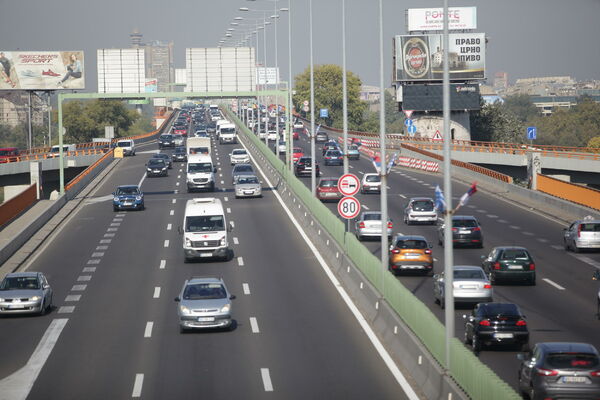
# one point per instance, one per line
(348, 207)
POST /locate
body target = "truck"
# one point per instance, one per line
(198, 145)
(227, 133)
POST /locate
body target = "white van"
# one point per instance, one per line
(227, 133)
(128, 146)
(205, 230)
(55, 150)
(200, 172)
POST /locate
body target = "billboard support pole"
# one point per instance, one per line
(29, 123)
(383, 158)
(49, 121)
(61, 170)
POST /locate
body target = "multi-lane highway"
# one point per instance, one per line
(561, 307)
(114, 334)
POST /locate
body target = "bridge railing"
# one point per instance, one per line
(15, 206)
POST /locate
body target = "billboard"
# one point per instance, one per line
(41, 70)
(419, 57)
(151, 85)
(429, 97)
(121, 71)
(432, 19)
(272, 75)
(226, 69)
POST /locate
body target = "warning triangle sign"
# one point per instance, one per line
(437, 137)
(408, 113)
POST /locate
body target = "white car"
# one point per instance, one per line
(282, 146)
(272, 135)
(420, 209)
(239, 156)
(262, 135)
(371, 183)
(470, 285)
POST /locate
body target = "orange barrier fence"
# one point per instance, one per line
(569, 191)
(86, 171)
(18, 204)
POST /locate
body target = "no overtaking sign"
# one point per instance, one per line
(348, 185)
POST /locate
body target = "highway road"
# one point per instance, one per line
(114, 331)
(561, 307)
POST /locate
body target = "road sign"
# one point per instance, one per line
(349, 184)
(305, 102)
(324, 113)
(437, 137)
(531, 133)
(408, 122)
(348, 207)
(408, 113)
(412, 130)
(305, 109)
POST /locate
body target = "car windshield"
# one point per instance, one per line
(204, 223)
(243, 168)
(199, 167)
(238, 152)
(329, 183)
(373, 178)
(128, 190)
(297, 150)
(514, 254)
(247, 179)
(156, 163)
(123, 144)
(590, 227)
(468, 274)
(422, 205)
(571, 361)
(204, 291)
(372, 217)
(411, 244)
(166, 137)
(353, 148)
(21, 282)
(464, 223)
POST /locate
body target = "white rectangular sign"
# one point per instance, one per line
(432, 19)
(272, 77)
(121, 71)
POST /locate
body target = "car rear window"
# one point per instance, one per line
(468, 274)
(571, 361)
(411, 244)
(501, 310)
(372, 217)
(329, 183)
(590, 227)
(373, 178)
(422, 205)
(238, 152)
(243, 168)
(514, 255)
(464, 223)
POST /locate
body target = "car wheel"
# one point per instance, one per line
(212, 187)
(532, 281)
(467, 341)
(475, 345)
(567, 246)
(492, 278)
(576, 249)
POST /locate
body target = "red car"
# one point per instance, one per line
(296, 133)
(327, 190)
(297, 153)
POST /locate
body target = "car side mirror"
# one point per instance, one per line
(596, 275)
(232, 297)
(46, 286)
(177, 299)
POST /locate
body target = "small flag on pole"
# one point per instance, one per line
(392, 162)
(440, 202)
(465, 197)
(377, 163)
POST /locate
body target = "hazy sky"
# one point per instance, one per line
(526, 37)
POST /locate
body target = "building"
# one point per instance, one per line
(500, 81)
(159, 62)
(13, 109)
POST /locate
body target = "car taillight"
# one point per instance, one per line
(396, 251)
(532, 267)
(496, 265)
(485, 322)
(454, 229)
(427, 251)
(361, 225)
(595, 373)
(546, 372)
(521, 322)
(476, 229)
(579, 230)
(389, 225)
(487, 286)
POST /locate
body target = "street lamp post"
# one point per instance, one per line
(290, 134)
(382, 153)
(313, 172)
(344, 89)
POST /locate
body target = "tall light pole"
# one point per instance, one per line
(275, 17)
(313, 172)
(290, 135)
(344, 89)
(382, 153)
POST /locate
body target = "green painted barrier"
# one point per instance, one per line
(474, 377)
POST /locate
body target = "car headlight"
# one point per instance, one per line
(1, 299)
(148, 169)
(138, 198)
(116, 199)
(223, 242)
(184, 310)
(226, 308)
(35, 298)
(164, 169)
(188, 242)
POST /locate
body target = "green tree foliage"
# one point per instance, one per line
(594, 142)
(493, 123)
(570, 127)
(394, 119)
(521, 106)
(328, 94)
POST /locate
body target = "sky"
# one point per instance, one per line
(527, 38)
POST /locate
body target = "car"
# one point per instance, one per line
(167, 159)
(509, 263)
(297, 153)
(247, 186)
(296, 133)
(178, 140)
(466, 231)
(584, 234)
(471, 285)
(262, 134)
(165, 140)
(370, 183)
(156, 167)
(353, 152)
(205, 231)
(239, 156)
(304, 167)
(128, 146)
(180, 154)
(329, 146)
(410, 253)
(321, 137)
(560, 370)
(368, 225)
(211, 126)
(272, 135)
(282, 146)
(128, 197)
(420, 209)
(241, 169)
(333, 157)
(327, 189)
(496, 324)
(25, 293)
(201, 133)
(204, 302)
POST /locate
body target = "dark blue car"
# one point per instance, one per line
(128, 197)
(333, 157)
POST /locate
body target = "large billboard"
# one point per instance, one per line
(267, 76)
(41, 70)
(226, 69)
(419, 57)
(121, 71)
(432, 19)
(430, 97)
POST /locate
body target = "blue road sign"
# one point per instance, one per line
(408, 122)
(531, 133)
(324, 113)
(412, 129)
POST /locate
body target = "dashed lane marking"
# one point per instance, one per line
(137, 385)
(254, 325)
(556, 285)
(246, 288)
(78, 288)
(163, 264)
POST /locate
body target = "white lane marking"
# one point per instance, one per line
(387, 359)
(481, 211)
(178, 176)
(174, 201)
(360, 172)
(110, 235)
(112, 229)
(236, 240)
(177, 184)
(18, 385)
(514, 227)
(556, 285)
(502, 221)
(84, 278)
(73, 297)
(101, 247)
(141, 180)
(115, 224)
(137, 385)
(100, 254)
(162, 265)
(351, 166)
(226, 198)
(94, 261)
(222, 182)
(527, 233)
(228, 210)
(266, 378)
(172, 212)
(557, 247)
(220, 175)
(232, 223)
(365, 207)
(166, 243)
(471, 206)
(542, 240)
(254, 325)
(148, 330)
(180, 169)
(240, 261)
(78, 288)
(117, 220)
(66, 310)
(586, 260)
(403, 196)
(88, 269)
(156, 292)
(246, 288)
(105, 240)
(491, 216)
(169, 226)
(119, 215)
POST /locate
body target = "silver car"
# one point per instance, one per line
(204, 302)
(241, 169)
(369, 225)
(420, 209)
(582, 235)
(25, 293)
(471, 285)
(371, 183)
(247, 186)
(239, 156)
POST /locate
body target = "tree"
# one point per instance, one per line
(492, 123)
(521, 106)
(594, 142)
(328, 94)
(570, 127)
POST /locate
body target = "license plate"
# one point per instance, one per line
(575, 379)
(468, 287)
(464, 231)
(515, 267)
(503, 335)
(205, 254)
(15, 307)
(206, 319)
(127, 203)
(248, 192)
(411, 256)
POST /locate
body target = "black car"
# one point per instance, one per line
(180, 154)
(496, 323)
(165, 157)
(321, 137)
(509, 263)
(466, 231)
(156, 167)
(304, 167)
(166, 140)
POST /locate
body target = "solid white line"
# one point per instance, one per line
(556, 285)
(240, 261)
(266, 378)
(148, 330)
(137, 385)
(246, 288)
(162, 265)
(236, 240)
(169, 226)
(172, 212)
(254, 325)
(18, 385)
(156, 292)
(387, 359)
(167, 243)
